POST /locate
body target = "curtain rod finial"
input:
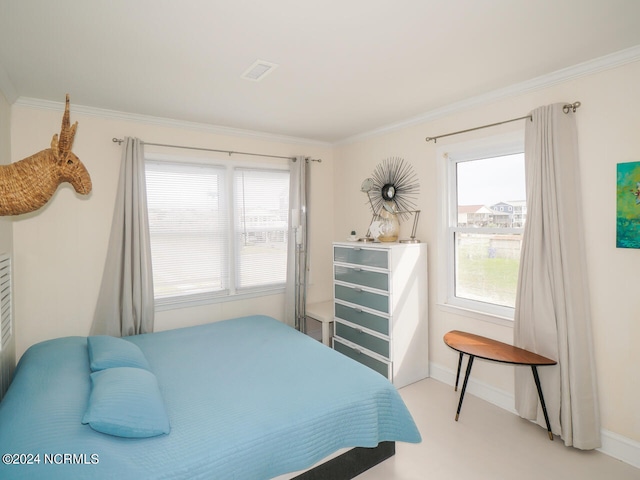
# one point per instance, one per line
(571, 107)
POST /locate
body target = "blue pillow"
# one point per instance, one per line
(126, 402)
(109, 352)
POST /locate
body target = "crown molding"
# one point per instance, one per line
(606, 62)
(166, 122)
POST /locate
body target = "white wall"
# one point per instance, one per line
(60, 249)
(609, 133)
(7, 353)
(6, 237)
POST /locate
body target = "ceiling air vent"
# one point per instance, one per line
(259, 70)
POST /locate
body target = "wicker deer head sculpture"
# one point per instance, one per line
(27, 185)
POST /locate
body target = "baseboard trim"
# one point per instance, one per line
(613, 444)
(621, 448)
(475, 387)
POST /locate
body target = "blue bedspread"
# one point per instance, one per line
(248, 398)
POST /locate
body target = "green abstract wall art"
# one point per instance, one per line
(628, 205)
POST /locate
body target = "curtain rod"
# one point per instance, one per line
(230, 152)
(569, 107)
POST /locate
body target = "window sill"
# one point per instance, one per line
(475, 314)
(176, 303)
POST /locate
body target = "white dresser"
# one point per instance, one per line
(380, 307)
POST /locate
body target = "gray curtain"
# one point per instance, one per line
(553, 315)
(125, 302)
(296, 287)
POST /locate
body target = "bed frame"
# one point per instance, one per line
(350, 464)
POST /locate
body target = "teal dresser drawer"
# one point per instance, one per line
(361, 256)
(378, 365)
(362, 318)
(359, 276)
(363, 339)
(358, 296)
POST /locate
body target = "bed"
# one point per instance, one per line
(246, 398)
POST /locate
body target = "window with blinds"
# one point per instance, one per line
(261, 201)
(216, 231)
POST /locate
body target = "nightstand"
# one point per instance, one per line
(321, 312)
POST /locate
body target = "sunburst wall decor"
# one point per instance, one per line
(395, 183)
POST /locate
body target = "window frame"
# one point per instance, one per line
(448, 157)
(232, 293)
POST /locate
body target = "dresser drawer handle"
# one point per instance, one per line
(357, 269)
(358, 310)
(357, 249)
(359, 290)
(359, 330)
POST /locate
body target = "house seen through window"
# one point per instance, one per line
(487, 214)
(216, 230)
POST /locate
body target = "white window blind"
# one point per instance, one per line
(261, 205)
(6, 315)
(189, 229)
(216, 230)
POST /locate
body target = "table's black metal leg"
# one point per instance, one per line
(459, 367)
(544, 407)
(464, 385)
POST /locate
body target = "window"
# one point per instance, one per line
(261, 227)
(216, 230)
(486, 216)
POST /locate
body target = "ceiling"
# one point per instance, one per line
(346, 67)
